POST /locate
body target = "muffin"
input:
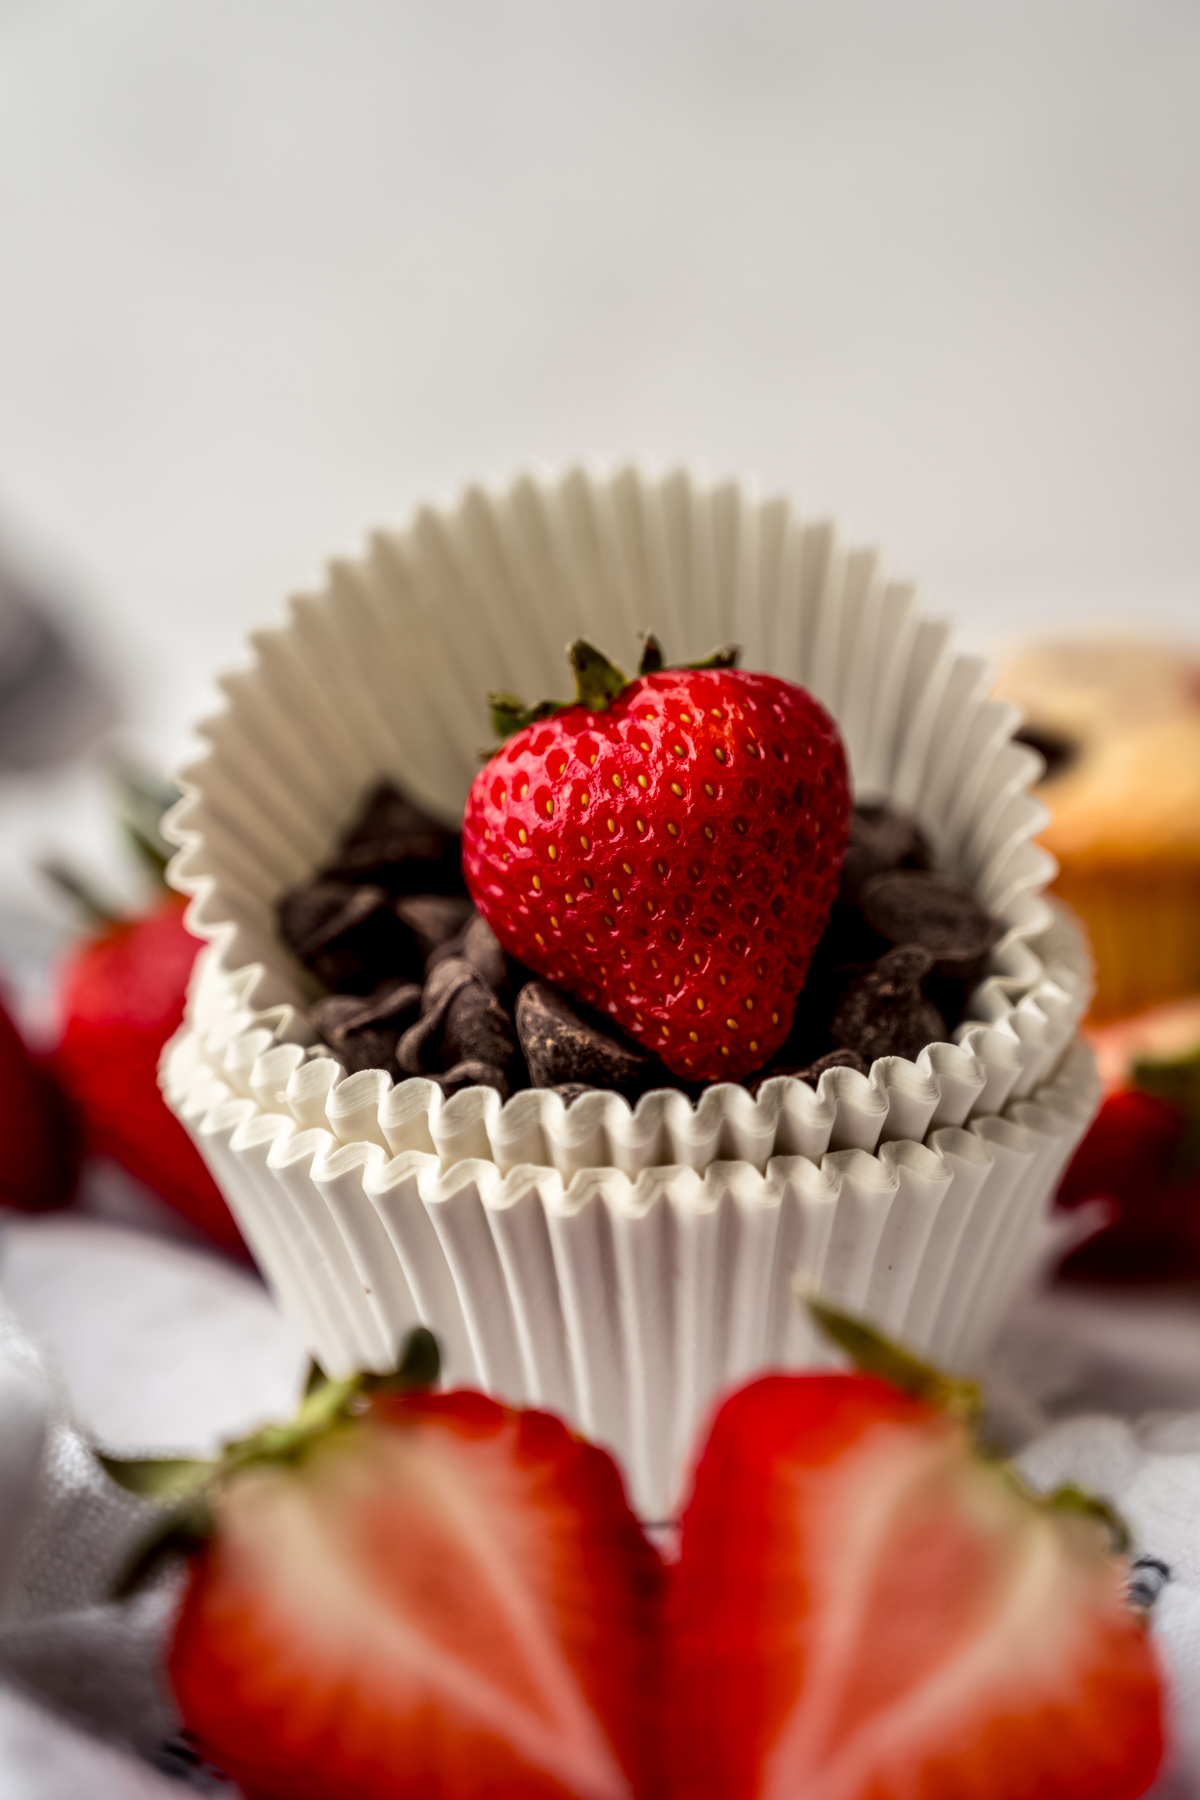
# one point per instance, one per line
(1118, 723)
(581, 1231)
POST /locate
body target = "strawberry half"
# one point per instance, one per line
(666, 849)
(420, 1595)
(868, 1609)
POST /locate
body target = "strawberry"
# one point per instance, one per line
(1142, 1153)
(38, 1132)
(666, 849)
(121, 996)
(410, 1594)
(867, 1608)
(1135, 1156)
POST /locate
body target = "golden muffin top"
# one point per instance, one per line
(1119, 722)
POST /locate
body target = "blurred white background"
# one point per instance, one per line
(272, 270)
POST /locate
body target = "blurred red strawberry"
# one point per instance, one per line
(1142, 1155)
(121, 996)
(37, 1129)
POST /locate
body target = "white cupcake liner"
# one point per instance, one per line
(618, 1264)
(624, 1301)
(271, 1057)
(385, 672)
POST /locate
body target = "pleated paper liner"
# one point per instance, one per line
(383, 673)
(272, 1058)
(623, 1300)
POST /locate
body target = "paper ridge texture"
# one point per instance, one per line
(522, 1219)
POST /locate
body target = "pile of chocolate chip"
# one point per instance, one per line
(418, 985)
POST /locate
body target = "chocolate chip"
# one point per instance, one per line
(481, 948)
(834, 1059)
(370, 1048)
(561, 1046)
(942, 916)
(395, 844)
(394, 1004)
(1057, 750)
(884, 1012)
(477, 1028)
(473, 1074)
(461, 1021)
(365, 1032)
(434, 918)
(882, 837)
(569, 1091)
(442, 985)
(348, 936)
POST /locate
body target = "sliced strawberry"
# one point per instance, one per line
(867, 1609)
(122, 995)
(441, 1597)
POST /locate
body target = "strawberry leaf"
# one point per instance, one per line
(652, 655)
(185, 1529)
(97, 908)
(874, 1354)
(142, 802)
(510, 713)
(420, 1365)
(598, 682)
(167, 1479)
(727, 657)
(1072, 1499)
(1176, 1080)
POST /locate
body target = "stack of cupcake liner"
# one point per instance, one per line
(618, 1264)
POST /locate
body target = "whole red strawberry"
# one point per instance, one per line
(867, 1607)
(1140, 1156)
(666, 849)
(122, 994)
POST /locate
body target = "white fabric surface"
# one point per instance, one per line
(145, 1343)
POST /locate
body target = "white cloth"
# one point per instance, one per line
(150, 1345)
(1151, 1473)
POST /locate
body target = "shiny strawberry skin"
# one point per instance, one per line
(446, 1600)
(122, 996)
(671, 860)
(866, 1610)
